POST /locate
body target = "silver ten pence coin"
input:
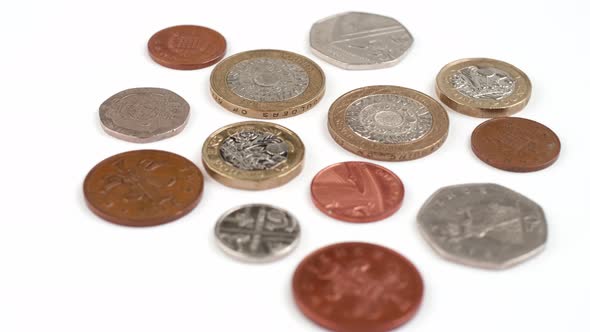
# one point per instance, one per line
(483, 225)
(356, 40)
(143, 115)
(257, 233)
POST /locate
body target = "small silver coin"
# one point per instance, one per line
(257, 232)
(483, 225)
(143, 115)
(356, 40)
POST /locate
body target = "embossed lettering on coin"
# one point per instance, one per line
(389, 118)
(257, 232)
(254, 150)
(143, 188)
(483, 225)
(144, 115)
(357, 286)
(360, 40)
(267, 79)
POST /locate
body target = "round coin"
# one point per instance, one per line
(253, 155)
(483, 225)
(143, 115)
(388, 123)
(357, 192)
(267, 84)
(360, 40)
(357, 287)
(143, 188)
(257, 233)
(484, 88)
(187, 47)
(515, 144)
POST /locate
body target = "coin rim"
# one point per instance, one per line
(514, 168)
(334, 325)
(130, 222)
(187, 65)
(484, 108)
(248, 258)
(246, 180)
(267, 110)
(351, 219)
(349, 140)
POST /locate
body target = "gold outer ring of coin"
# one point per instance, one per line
(234, 177)
(348, 139)
(483, 108)
(267, 110)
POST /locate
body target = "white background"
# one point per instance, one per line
(63, 269)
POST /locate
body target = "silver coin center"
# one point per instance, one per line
(389, 118)
(267, 79)
(252, 150)
(483, 83)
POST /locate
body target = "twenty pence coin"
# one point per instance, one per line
(388, 123)
(143, 188)
(253, 155)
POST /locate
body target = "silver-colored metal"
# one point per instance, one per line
(254, 150)
(257, 232)
(143, 115)
(483, 225)
(356, 40)
(483, 83)
(267, 79)
(389, 118)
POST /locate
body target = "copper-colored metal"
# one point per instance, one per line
(515, 144)
(143, 188)
(357, 287)
(357, 192)
(187, 47)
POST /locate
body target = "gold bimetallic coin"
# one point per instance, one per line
(483, 88)
(267, 84)
(389, 123)
(253, 155)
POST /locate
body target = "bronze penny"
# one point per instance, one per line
(187, 47)
(515, 144)
(143, 188)
(355, 286)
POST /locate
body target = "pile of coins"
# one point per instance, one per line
(345, 286)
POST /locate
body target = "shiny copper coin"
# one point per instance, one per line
(187, 47)
(355, 286)
(357, 191)
(143, 188)
(515, 144)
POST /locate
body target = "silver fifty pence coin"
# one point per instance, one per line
(143, 115)
(356, 40)
(257, 232)
(483, 225)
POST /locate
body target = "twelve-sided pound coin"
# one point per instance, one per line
(267, 84)
(484, 88)
(388, 123)
(483, 225)
(257, 233)
(253, 155)
(360, 40)
(143, 115)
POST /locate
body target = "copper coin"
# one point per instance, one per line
(143, 188)
(355, 286)
(357, 191)
(515, 144)
(187, 47)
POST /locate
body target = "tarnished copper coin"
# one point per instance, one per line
(187, 47)
(143, 188)
(357, 191)
(355, 286)
(515, 144)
